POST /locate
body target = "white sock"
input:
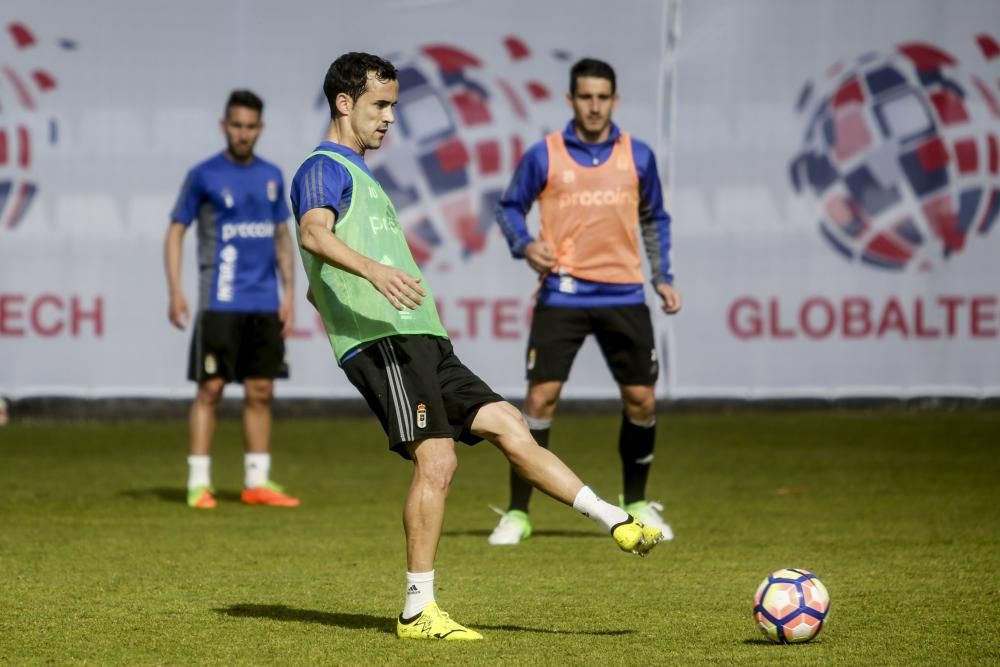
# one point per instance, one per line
(588, 504)
(199, 474)
(257, 470)
(538, 424)
(419, 592)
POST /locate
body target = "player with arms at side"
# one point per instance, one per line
(243, 246)
(384, 328)
(597, 188)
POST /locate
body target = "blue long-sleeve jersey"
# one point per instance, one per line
(527, 184)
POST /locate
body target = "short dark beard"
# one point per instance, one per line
(235, 157)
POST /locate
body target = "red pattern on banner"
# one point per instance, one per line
(516, 49)
(452, 155)
(471, 107)
(988, 46)
(950, 107)
(850, 92)
(926, 57)
(966, 156)
(22, 92)
(450, 59)
(43, 79)
(488, 157)
(932, 154)
(851, 130)
(23, 37)
(538, 91)
(944, 221)
(515, 102)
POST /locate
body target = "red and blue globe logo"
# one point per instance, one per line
(901, 153)
(24, 123)
(462, 123)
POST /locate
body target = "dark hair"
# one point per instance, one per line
(594, 68)
(349, 74)
(244, 98)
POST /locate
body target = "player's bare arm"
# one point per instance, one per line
(286, 273)
(541, 256)
(177, 311)
(316, 230)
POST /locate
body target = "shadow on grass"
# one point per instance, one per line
(534, 533)
(280, 612)
(174, 494)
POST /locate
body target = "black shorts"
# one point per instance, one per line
(624, 334)
(237, 346)
(418, 389)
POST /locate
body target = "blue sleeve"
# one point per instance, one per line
(321, 183)
(654, 221)
(280, 207)
(527, 183)
(189, 199)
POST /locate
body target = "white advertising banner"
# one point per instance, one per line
(836, 194)
(106, 105)
(832, 177)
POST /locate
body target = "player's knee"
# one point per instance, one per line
(210, 392)
(512, 413)
(440, 469)
(514, 436)
(259, 394)
(542, 400)
(640, 407)
(642, 413)
(508, 421)
(538, 404)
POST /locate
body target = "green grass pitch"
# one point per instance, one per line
(898, 512)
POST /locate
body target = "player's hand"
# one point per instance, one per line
(540, 255)
(401, 289)
(178, 311)
(671, 298)
(286, 313)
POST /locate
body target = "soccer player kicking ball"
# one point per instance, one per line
(384, 328)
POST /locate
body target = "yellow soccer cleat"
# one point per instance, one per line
(635, 537)
(432, 623)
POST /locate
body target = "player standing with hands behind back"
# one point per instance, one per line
(238, 200)
(597, 188)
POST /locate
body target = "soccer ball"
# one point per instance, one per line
(790, 606)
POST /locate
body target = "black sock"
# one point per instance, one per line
(635, 443)
(520, 491)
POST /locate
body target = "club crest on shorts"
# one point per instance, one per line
(210, 364)
(421, 415)
(531, 359)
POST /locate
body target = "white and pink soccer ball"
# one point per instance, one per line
(791, 606)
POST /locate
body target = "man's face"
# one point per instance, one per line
(592, 104)
(242, 127)
(372, 113)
